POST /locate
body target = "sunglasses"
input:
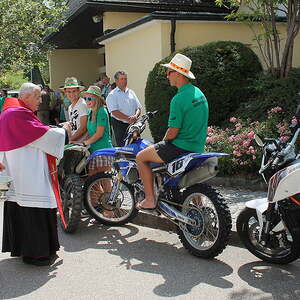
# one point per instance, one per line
(89, 98)
(169, 72)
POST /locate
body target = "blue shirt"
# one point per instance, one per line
(126, 102)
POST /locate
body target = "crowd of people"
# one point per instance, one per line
(30, 212)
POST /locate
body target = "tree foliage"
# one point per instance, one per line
(276, 50)
(23, 25)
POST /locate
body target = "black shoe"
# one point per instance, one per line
(40, 261)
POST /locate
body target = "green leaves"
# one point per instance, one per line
(23, 26)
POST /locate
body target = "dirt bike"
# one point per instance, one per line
(202, 216)
(270, 227)
(71, 174)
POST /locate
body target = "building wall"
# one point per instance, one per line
(84, 64)
(114, 20)
(200, 33)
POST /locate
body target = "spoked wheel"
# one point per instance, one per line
(281, 247)
(209, 237)
(71, 196)
(97, 191)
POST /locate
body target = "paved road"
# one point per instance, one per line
(135, 262)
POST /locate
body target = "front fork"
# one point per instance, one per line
(112, 200)
(268, 224)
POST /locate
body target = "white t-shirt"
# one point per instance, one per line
(77, 111)
(126, 102)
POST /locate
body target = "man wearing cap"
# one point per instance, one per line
(124, 107)
(78, 110)
(187, 126)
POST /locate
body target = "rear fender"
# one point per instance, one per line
(187, 161)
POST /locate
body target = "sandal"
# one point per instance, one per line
(140, 207)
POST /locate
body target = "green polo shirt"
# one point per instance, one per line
(189, 113)
(101, 120)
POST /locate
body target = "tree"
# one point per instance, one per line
(277, 52)
(23, 25)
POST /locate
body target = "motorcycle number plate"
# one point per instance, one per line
(178, 166)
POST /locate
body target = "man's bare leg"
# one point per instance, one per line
(143, 159)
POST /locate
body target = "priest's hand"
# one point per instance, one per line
(2, 167)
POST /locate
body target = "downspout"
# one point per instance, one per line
(172, 35)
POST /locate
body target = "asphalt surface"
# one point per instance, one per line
(137, 262)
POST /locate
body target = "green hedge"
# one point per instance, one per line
(223, 71)
(268, 92)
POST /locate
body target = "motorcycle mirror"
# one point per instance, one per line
(258, 140)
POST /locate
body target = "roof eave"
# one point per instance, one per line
(164, 16)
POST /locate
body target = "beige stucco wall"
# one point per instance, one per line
(84, 64)
(114, 20)
(204, 32)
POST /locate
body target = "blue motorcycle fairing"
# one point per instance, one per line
(133, 148)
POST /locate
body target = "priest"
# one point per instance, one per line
(28, 152)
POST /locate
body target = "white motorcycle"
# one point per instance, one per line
(270, 227)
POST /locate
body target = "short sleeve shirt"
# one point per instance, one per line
(79, 110)
(101, 120)
(189, 113)
(124, 101)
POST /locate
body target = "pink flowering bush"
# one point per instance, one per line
(237, 140)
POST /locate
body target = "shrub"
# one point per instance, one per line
(223, 70)
(237, 140)
(268, 92)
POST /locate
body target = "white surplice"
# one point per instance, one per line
(28, 166)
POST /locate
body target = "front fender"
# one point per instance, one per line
(260, 204)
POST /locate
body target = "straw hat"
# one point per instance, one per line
(71, 82)
(94, 90)
(181, 64)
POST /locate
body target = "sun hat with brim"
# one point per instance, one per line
(94, 90)
(71, 82)
(181, 64)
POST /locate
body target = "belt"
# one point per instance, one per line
(120, 121)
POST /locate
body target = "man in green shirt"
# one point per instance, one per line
(187, 126)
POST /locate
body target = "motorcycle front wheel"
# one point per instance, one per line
(71, 196)
(209, 237)
(280, 249)
(96, 192)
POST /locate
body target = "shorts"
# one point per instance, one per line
(100, 162)
(167, 151)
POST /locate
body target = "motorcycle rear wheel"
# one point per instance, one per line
(248, 230)
(211, 234)
(71, 196)
(125, 209)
